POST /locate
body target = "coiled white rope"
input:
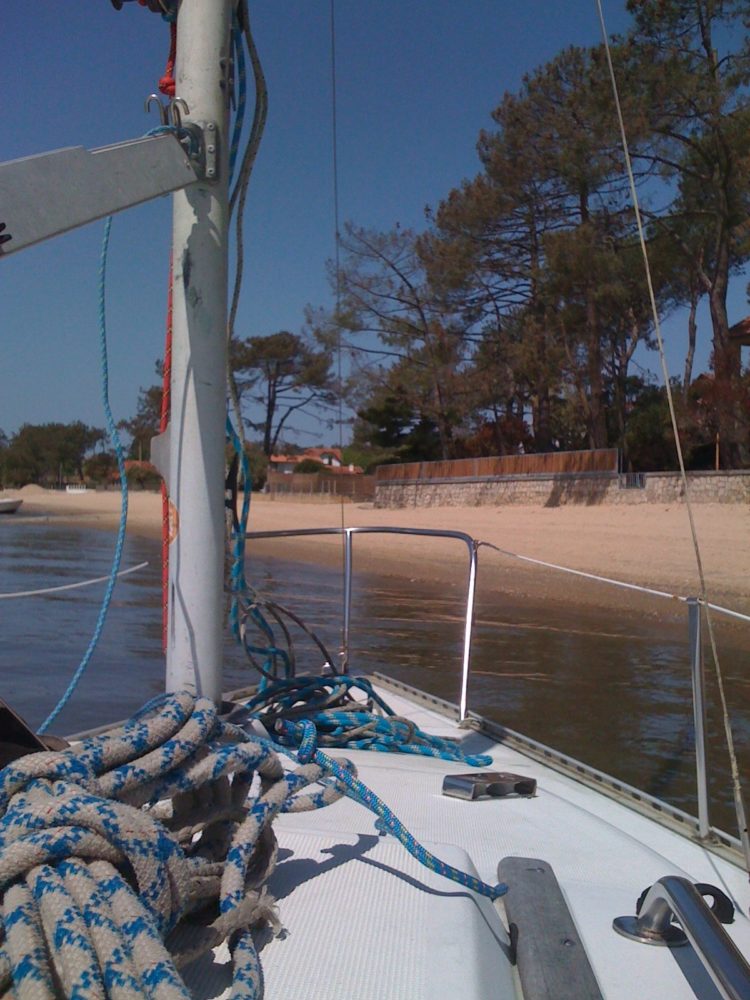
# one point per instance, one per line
(106, 847)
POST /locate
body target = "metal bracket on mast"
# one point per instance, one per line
(198, 139)
(46, 195)
(203, 149)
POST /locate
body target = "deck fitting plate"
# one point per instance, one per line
(629, 927)
(495, 784)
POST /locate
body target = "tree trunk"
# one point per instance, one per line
(730, 418)
(597, 424)
(692, 337)
(597, 427)
(542, 417)
(444, 426)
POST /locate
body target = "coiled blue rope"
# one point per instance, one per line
(114, 438)
(341, 721)
(71, 823)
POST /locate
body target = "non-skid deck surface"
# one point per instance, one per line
(364, 920)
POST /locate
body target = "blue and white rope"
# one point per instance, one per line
(359, 792)
(79, 808)
(91, 884)
(341, 721)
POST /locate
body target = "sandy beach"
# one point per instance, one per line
(647, 545)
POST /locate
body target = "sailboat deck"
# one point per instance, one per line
(364, 920)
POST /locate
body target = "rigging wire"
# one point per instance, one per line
(736, 784)
(610, 580)
(43, 591)
(344, 656)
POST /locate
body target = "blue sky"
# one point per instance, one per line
(417, 81)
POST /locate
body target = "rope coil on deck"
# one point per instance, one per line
(98, 866)
(108, 848)
(341, 721)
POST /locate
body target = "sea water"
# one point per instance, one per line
(44, 638)
(611, 690)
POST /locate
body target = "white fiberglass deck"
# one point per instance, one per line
(363, 920)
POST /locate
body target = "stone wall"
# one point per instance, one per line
(553, 491)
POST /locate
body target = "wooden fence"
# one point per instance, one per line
(321, 483)
(546, 464)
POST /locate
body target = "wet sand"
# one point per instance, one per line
(648, 545)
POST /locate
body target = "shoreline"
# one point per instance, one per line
(645, 545)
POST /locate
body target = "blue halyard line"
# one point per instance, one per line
(114, 438)
(238, 581)
(239, 118)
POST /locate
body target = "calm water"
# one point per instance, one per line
(614, 693)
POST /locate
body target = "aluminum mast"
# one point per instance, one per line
(198, 387)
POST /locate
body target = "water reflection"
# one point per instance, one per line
(612, 692)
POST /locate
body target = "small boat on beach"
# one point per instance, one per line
(9, 505)
(317, 833)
